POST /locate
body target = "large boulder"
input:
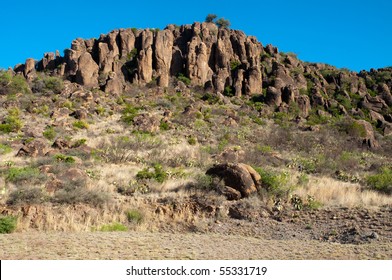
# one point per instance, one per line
(87, 73)
(238, 176)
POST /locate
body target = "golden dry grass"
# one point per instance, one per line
(331, 192)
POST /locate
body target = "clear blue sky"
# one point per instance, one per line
(352, 34)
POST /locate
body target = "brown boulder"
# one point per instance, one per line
(87, 73)
(163, 55)
(367, 134)
(241, 177)
(34, 148)
(147, 123)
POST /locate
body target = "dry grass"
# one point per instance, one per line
(331, 192)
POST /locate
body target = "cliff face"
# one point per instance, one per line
(223, 61)
(209, 57)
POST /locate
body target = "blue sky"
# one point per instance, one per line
(351, 34)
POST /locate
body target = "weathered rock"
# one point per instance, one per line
(61, 144)
(163, 55)
(29, 69)
(147, 122)
(87, 73)
(303, 104)
(367, 137)
(238, 176)
(34, 148)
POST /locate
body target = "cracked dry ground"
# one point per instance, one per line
(340, 233)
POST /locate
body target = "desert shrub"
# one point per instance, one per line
(13, 84)
(191, 141)
(64, 158)
(129, 113)
(5, 149)
(210, 18)
(113, 227)
(18, 175)
(204, 182)
(181, 77)
(79, 124)
(164, 126)
(11, 122)
(276, 183)
(382, 181)
(210, 98)
(234, 64)
(49, 133)
(228, 91)
(351, 127)
(79, 142)
(222, 23)
(158, 174)
(77, 193)
(48, 85)
(135, 216)
(8, 224)
(27, 195)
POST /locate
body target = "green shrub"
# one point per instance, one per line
(8, 224)
(234, 64)
(77, 193)
(64, 158)
(80, 124)
(18, 175)
(164, 126)
(275, 183)
(5, 149)
(49, 133)
(129, 113)
(158, 174)
(223, 23)
(12, 84)
(382, 181)
(113, 227)
(79, 143)
(181, 77)
(228, 91)
(192, 141)
(210, 17)
(12, 122)
(135, 216)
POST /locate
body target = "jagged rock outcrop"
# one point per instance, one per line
(205, 54)
(222, 61)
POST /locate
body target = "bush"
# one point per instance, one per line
(275, 183)
(64, 158)
(158, 174)
(7, 224)
(210, 17)
(223, 23)
(113, 227)
(49, 133)
(12, 122)
(129, 113)
(71, 193)
(5, 149)
(80, 124)
(23, 175)
(27, 195)
(181, 77)
(192, 141)
(382, 181)
(164, 126)
(12, 84)
(48, 85)
(135, 216)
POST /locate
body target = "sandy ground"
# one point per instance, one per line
(145, 245)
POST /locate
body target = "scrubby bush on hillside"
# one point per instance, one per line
(12, 84)
(11, 122)
(382, 181)
(7, 224)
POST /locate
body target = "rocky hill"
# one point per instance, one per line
(195, 128)
(220, 61)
